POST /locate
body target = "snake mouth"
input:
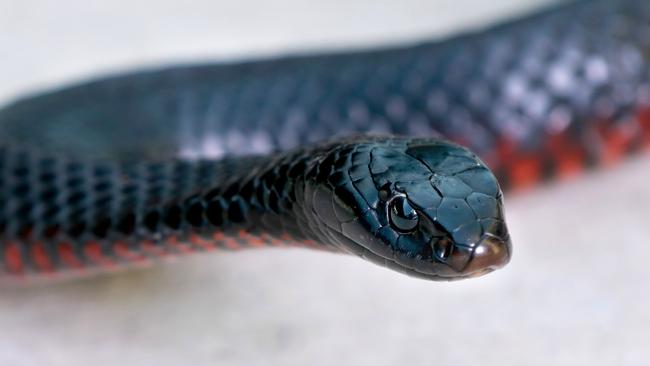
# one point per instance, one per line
(489, 254)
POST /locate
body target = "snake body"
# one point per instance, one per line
(340, 152)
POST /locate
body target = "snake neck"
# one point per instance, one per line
(273, 199)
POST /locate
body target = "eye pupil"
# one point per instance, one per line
(402, 216)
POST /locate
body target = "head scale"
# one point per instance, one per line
(424, 207)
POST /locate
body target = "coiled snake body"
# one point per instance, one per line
(339, 152)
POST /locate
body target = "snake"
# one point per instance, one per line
(398, 155)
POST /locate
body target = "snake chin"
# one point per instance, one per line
(424, 207)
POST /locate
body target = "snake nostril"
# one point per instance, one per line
(442, 248)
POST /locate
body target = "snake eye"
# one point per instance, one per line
(402, 216)
(443, 248)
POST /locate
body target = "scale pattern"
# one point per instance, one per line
(117, 170)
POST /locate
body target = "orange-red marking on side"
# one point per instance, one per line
(253, 240)
(643, 116)
(505, 150)
(13, 258)
(272, 240)
(204, 244)
(286, 237)
(153, 249)
(615, 144)
(93, 251)
(123, 250)
(173, 240)
(66, 253)
(231, 244)
(568, 158)
(227, 242)
(525, 172)
(40, 257)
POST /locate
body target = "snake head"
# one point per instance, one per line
(424, 207)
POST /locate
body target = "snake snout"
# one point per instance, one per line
(490, 253)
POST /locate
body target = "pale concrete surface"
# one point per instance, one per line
(576, 292)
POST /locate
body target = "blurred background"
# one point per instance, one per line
(574, 294)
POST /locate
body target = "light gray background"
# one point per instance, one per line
(576, 292)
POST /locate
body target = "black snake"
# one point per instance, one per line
(340, 152)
